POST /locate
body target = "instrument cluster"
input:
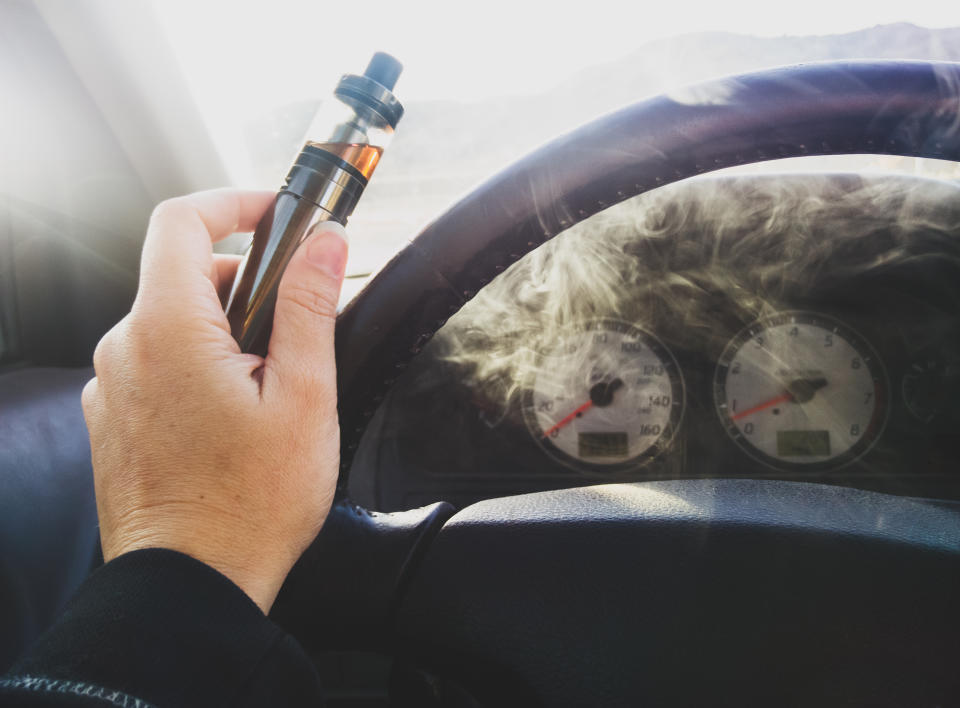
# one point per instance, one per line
(796, 391)
(803, 328)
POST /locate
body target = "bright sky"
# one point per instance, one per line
(291, 49)
(245, 58)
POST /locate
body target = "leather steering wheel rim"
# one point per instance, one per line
(904, 108)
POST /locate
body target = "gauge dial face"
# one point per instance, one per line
(799, 390)
(605, 397)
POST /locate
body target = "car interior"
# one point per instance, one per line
(624, 425)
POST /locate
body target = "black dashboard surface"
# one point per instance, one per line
(693, 265)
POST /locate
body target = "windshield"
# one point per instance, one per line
(485, 84)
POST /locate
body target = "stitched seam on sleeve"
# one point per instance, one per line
(34, 684)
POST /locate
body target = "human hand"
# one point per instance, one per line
(230, 458)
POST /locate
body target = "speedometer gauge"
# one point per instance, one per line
(606, 396)
(799, 390)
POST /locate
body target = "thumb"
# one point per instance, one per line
(300, 353)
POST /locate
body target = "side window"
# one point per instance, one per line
(9, 347)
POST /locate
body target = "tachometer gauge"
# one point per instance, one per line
(803, 391)
(605, 397)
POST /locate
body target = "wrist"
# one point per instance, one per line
(257, 571)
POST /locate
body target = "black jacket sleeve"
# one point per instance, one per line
(158, 628)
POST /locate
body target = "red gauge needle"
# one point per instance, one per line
(782, 398)
(586, 406)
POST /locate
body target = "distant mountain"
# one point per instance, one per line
(444, 134)
(443, 147)
(667, 63)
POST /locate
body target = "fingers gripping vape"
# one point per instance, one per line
(344, 145)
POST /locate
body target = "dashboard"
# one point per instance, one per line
(797, 327)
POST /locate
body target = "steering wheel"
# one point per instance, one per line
(680, 593)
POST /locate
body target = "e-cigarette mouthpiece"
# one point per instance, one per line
(384, 69)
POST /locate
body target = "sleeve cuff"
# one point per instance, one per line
(170, 630)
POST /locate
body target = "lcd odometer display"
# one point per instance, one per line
(801, 390)
(803, 443)
(602, 444)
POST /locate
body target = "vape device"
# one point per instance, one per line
(342, 149)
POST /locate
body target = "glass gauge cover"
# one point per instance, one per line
(606, 396)
(801, 391)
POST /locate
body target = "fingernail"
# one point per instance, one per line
(327, 248)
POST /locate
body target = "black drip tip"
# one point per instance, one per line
(384, 69)
(375, 88)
